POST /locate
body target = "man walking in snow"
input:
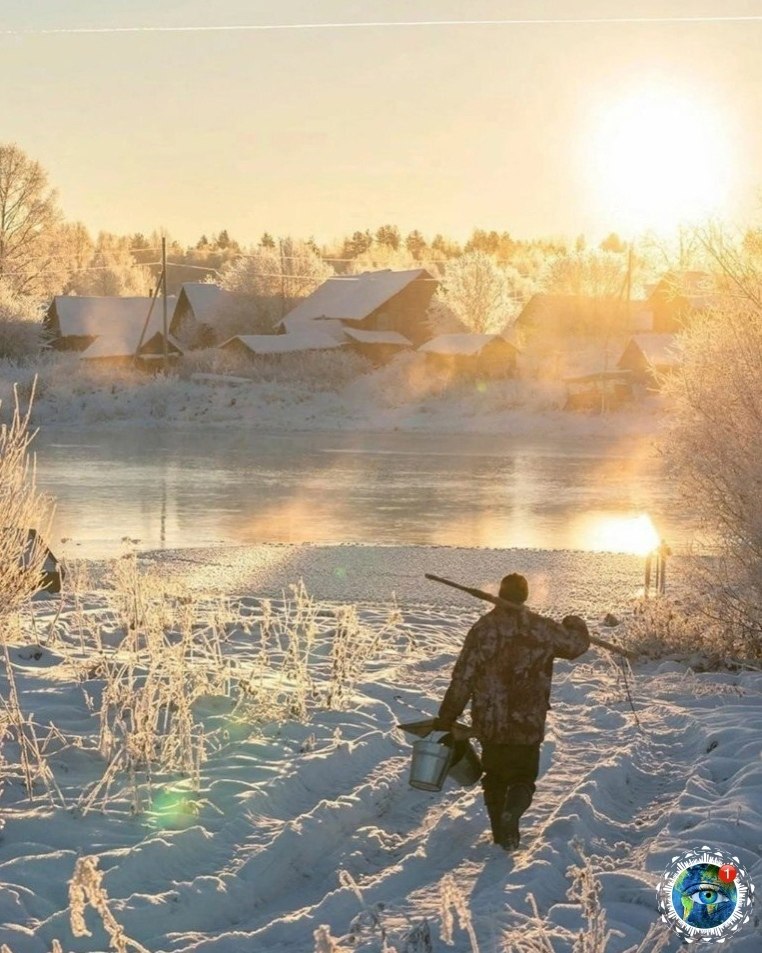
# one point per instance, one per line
(505, 668)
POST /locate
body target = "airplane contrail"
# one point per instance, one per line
(379, 24)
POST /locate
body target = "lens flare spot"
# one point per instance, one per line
(173, 809)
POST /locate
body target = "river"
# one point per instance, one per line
(174, 488)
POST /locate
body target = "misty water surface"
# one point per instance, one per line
(178, 488)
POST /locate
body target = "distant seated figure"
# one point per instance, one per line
(52, 571)
(505, 668)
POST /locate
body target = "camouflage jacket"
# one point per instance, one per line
(505, 667)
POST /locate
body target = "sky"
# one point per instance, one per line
(535, 128)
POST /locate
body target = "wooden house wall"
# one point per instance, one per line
(52, 332)
(643, 371)
(669, 313)
(404, 313)
(375, 353)
(495, 360)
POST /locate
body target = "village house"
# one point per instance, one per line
(372, 301)
(649, 358)
(378, 347)
(678, 296)
(555, 315)
(482, 355)
(310, 339)
(127, 348)
(196, 314)
(73, 322)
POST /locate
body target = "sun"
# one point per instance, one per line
(657, 158)
(635, 534)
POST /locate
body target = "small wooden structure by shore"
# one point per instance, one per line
(483, 355)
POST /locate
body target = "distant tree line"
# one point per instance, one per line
(483, 281)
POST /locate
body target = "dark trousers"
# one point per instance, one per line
(508, 781)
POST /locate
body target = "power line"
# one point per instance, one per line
(386, 24)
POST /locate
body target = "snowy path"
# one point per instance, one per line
(253, 862)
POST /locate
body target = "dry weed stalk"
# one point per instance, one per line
(299, 666)
(86, 889)
(152, 681)
(453, 901)
(586, 890)
(533, 936)
(54, 948)
(33, 765)
(352, 647)
(22, 508)
(324, 942)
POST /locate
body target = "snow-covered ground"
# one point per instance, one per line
(299, 825)
(313, 396)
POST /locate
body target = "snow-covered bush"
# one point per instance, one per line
(409, 379)
(213, 360)
(312, 371)
(20, 325)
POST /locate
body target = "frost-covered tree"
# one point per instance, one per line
(33, 243)
(267, 282)
(378, 257)
(477, 294)
(594, 273)
(111, 270)
(713, 442)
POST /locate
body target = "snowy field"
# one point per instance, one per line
(302, 834)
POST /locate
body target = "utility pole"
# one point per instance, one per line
(164, 300)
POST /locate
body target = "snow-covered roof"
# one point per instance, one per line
(377, 337)
(205, 299)
(661, 350)
(351, 297)
(460, 345)
(310, 340)
(108, 345)
(329, 326)
(82, 316)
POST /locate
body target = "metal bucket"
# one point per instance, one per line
(429, 765)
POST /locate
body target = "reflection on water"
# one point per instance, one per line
(625, 534)
(178, 488)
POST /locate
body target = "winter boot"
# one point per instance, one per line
(517, 800)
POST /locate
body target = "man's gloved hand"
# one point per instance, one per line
(461, 733)
(574, 622)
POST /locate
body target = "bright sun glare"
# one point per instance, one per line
(660, 158)
(635, 535)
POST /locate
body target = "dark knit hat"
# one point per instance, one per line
(514, 588)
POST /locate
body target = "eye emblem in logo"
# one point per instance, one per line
(705, 894)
